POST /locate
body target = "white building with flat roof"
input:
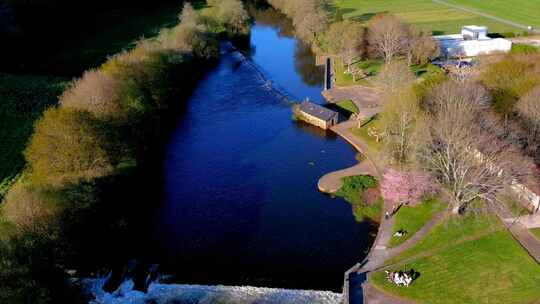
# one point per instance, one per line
(472, 41)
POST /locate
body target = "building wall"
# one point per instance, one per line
(471, 48)
(317, 121)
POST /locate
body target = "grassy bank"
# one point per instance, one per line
(469, 259)
(353, 190)
(425, 14)
(412, 219)
(105, 122)
(22, 100)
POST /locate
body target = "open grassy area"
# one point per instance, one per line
(347, 106)
(369, 67)
(362, 132)
(351, 191)
(536, 232)
(468, 260)
(526, 12)
(22, 100)
(412, 219)
(426, 14)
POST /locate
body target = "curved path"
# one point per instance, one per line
(330, 183)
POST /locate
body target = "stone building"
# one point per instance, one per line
(317, 115)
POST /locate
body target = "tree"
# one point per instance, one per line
(406, 187)
(346, 39)
(310, 20)
(67, 146)
(233, 14)
(387, 36)
(465, 149)
(398, 121)
(421, 47)
(29, 209)
(528, 109)
(395, 76)
(96, 93)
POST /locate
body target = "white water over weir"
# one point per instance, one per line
(203, 294)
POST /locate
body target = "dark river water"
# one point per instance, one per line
(241, 204)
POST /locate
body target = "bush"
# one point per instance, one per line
(97, 93)
(68, 146)
(520, 48)
(29, 208)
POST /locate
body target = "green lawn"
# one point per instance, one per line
(362, 132)
(536, 232)
(469, 260)
(351, 191)
(425, 14)
(412, 219)
(370, 67)
(347, 106)
(526, 12)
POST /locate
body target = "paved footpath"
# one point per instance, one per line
(331, 182)
(361, 291)
(520, 232)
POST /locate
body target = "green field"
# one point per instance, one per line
(412, 219)
(526, 12)
(438, 18)
(467, 260)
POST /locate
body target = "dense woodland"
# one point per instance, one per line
(102, 126)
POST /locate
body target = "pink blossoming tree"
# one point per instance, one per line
(407, 187)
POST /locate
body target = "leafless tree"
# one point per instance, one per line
(394, 76)
(387, 36)
(95, 92)
(420, 47)
(466, 150)
(528, 109)
(398, 121)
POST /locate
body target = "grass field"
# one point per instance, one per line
(347, 106)
(412, 219)
(525, 12)
(426, 14)
(467, 260)
(536, 232)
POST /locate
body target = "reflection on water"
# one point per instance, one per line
(241, 203)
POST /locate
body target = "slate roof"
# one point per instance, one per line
(317, 110)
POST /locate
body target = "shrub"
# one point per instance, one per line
(29, 208)
(68, 146)
(97, 93)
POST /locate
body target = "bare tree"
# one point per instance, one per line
(420, 47)
(387, 36)
(394, 76)
(95, 92)
(398, 120)
(346, 39)
(528, 109)
(189, 15)
(465, 149)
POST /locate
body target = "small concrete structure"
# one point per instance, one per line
(317, 115)
(472, 41)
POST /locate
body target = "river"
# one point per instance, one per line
(240, 201)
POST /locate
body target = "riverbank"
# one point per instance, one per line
(113, 114)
